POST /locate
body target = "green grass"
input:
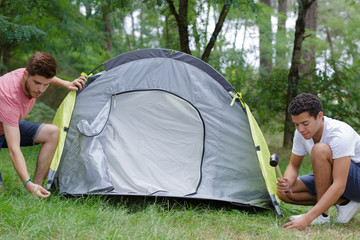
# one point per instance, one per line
(22, 216)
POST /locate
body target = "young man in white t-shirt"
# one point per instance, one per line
(334, 148)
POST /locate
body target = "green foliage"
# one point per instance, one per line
(340, 97)
(12, 32)
(268, 99)
(41, 113)
(235, 70)
(51, 26)
(77, 40)
(97, 217)
(74, 32)
(253, 5)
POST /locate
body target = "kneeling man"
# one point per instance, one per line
(19, 90)
(334, 148)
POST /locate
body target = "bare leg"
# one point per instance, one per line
(300, 196)
(49, 137)
(322, 162)
(321, 157)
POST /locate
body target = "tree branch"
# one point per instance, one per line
(173, 10)
(218, 27)
(182, 21)
(309, 35)
(293, 76)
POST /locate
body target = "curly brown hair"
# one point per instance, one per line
(305, 102)
(42, 64)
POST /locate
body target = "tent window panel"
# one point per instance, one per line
(154, 143)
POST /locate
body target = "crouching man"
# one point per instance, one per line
(334, 148)
(19, 90)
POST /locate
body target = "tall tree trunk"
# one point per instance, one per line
(218, 27)
(293, 76)
(307, 67)
(182, 21)
(133, 37)
(141, 38)
(123, 32)
(166, 31)
(207, 21)
(332, 61)
(5, 46)
(196, 34)
(88, 8)
(265, 42)
(106, 15)
(237, 24)
(281, 58)
(245, 34)
(333, 58)
(5, 56)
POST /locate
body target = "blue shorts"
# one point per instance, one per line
(352, 189)
(28, 133)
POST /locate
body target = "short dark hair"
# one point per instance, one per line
(305, 102)
(42, 64)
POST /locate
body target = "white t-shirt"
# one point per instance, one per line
(342, 139)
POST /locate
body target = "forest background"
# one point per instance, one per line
(269, 50)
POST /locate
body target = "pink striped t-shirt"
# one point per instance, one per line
(14, 104)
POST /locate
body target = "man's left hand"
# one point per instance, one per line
(77, 84)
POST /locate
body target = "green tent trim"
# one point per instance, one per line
(263, 154)
(62, 120)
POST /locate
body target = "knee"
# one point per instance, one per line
(321, 151)
(48, 134)
(52, 132)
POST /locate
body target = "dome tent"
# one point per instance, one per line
(159, 122)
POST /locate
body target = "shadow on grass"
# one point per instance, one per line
(141, 203)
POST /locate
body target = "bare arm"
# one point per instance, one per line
(12, 135)
(75, 85)
(340, 174)
(291, 173)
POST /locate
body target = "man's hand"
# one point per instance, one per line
(77, 84)
(37, 190)
(283, 185)
(300, 223)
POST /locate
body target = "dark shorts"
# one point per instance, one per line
(28, 133)
(352, 189)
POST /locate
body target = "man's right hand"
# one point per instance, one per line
(37, 190)
(283, 185)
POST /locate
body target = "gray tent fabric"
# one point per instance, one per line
(159, 122)
(154, 132)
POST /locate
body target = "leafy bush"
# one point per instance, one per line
(41, 113)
